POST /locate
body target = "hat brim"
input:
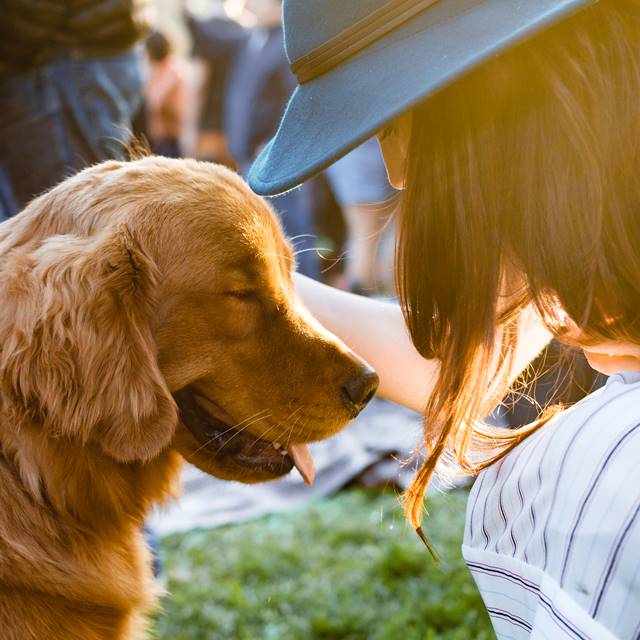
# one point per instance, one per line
(331, 115)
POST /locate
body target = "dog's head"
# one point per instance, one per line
(151, 304)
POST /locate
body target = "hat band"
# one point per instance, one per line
(357, 37)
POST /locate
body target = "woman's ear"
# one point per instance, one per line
(394, 142)
(78, 355)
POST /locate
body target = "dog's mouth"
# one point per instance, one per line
(227, 440)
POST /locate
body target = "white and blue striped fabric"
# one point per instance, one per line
(553, 530)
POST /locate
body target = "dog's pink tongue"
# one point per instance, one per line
(303, 461)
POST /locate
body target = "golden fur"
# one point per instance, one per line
(121, 288)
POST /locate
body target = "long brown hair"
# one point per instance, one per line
(523, 187)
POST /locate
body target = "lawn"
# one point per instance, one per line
(344, 568)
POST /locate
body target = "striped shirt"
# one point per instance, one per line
(553, 530)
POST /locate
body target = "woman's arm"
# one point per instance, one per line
(376, 331)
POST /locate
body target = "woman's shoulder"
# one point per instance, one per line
(567, 501)
(578, 436)
(620, 392)
(599, 435)
(579, 462)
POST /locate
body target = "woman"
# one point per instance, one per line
(513, 129)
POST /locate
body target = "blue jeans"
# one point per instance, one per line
(61, 117)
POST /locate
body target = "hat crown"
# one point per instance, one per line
(308, 24)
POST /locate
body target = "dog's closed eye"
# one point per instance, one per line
(243, 294)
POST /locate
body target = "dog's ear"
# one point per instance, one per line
(78, 354)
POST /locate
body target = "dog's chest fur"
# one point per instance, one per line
(73, 562)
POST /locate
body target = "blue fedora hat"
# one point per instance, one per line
(360, 63)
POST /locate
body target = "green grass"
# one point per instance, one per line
(345, 568)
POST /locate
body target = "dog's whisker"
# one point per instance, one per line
(246, 426)
(277, 445)
(242, 426)
(320, 251)
(255, 418)
(231, 428)
(295, 253)
(265, 434)
(239, 424)
(293, 413)
(302, 235)
(208, 442)
(307, 249)
(291, 428)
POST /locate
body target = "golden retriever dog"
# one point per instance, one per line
(148, 316)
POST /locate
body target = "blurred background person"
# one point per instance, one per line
(71, 80)
(360, 185)
(257, 85)
(164, 97)
(215, 35)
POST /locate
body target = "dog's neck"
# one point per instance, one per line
(83, 487)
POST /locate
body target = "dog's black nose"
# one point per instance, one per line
(357, 391)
